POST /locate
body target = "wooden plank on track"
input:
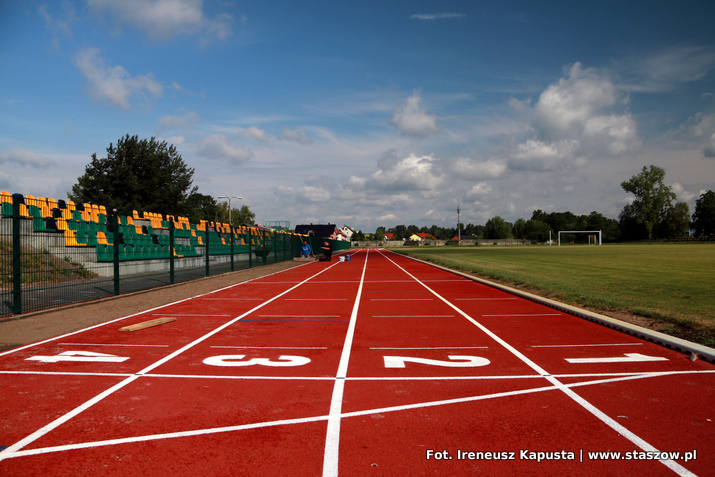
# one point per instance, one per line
(147, 324)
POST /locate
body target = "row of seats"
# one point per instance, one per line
(85, 225)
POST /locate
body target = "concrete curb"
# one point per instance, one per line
(695, 350)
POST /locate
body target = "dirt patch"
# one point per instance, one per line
(32, 327)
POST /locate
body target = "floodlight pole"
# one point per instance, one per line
(229, 205)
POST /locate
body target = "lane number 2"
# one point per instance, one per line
(456, 361)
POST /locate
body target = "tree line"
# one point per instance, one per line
(150, 175)
(652, 214)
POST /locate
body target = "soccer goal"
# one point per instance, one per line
(592, 238)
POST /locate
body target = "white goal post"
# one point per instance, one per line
(581, 232)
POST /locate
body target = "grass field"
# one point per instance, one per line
(671, 282)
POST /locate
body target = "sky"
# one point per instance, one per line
(371, 113)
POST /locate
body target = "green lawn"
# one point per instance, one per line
(672, 282)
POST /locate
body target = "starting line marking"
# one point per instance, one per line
(585, 345)
(114, 344)
(628, 358)
(216, 430)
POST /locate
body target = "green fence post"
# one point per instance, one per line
(230, 228)
(207, 250)
(250, 245)
(114, 221)
(172, 277)
(16, 256)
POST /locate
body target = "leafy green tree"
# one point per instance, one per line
(652, 200)
(143, 175)
(704, 215)
(676, 221)
(201, 207)
(497, 228)
(519, 229)
(536, 230)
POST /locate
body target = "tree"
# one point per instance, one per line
(519, 229)
(201, 207)
(143, 175)
(653, 197)
(704, 215)
(497, 228)
(676, 221)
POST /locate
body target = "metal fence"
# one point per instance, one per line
(54, 253)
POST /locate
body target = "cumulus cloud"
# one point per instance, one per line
(412, 120)
(24, 157)
(113, 84)
(681, 192)
(574, 120)
(217, 146)
(535, 155)
(409, 173)
(163, 19)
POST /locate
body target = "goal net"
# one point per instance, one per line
(593, 238)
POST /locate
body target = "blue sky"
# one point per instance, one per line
(368, 113)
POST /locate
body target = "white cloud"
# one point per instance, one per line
(574, 121)
(680, 191)
(473, 169)
(24, 157)
(114, 84)
(256, 134)
(412, 119)
(564, 108)
(218, 147)
(186, 121)
(479, 189)
(436, 16)
(297, 135)
(709, 150)
(535, 155)
(670, 67)
(409, 173)
(164, 19)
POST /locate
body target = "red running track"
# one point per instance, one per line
(381, 365)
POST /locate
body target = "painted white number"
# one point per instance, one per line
(80, 356)
(627, 358)
(456, 361)
(235, 360)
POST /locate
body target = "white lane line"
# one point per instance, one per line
(9, 451)
(189, 314)
(272, 347)
(487, 299)
(114, 344)
(332, 434)
(300, 316)
(530, 314)
(401, 299)
(438, 347)
(586, 345)
(413, 316)
(616, 426)
(316, 299)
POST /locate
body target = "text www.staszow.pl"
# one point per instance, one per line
(643, 455)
